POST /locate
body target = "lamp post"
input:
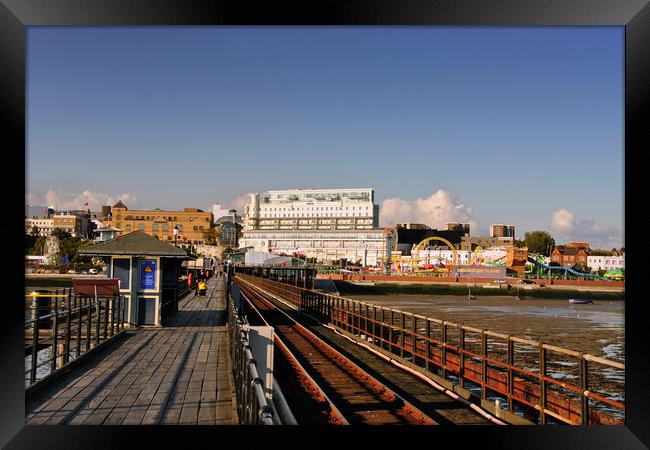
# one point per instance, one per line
(234, 219)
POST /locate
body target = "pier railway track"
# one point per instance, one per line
(323, 385)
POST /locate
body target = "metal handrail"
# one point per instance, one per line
(71, 319)
(252, 405)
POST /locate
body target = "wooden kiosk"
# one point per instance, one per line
(148, 273)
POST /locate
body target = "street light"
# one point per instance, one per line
(175, 231)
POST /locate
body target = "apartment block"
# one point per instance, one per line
(190, 223)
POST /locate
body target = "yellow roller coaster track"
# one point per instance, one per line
(413, 259)
(477, 255)
(414, 253)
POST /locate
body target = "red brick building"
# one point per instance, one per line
(569, 256)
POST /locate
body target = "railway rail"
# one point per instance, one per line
(332, 389)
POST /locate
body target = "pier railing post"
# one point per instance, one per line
(443, 350)
(484, 371)
(414, 340)
(68, 331)
(402, 334)
(106, 311)
(32, 377)
(98, 324)
(374, 324)
(511, 361)
(461, 355)
(120, 318)
(390, 332)
(542, 384)
(88, 308)
(427, 346)
(584, 386)
(55, 332)
(79, 323)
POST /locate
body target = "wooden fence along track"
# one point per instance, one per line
(339, 391)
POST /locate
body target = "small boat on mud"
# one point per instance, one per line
(580, 300)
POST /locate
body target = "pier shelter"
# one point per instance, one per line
(148, 273)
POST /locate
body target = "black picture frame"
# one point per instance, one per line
(17, 15)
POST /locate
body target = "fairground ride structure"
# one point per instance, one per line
(415, 258)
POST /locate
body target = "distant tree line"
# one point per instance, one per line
(540, 242)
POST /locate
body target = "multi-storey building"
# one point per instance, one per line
(569, 256)
(471, 242)
(74, 222)
(218, 211)
(190, 223)
(106, 211)
(457, 226)
(413, 226)
(313, 209)
(501, 230)
(606, 262)
(326, 224)
(45, 226)
(365, 246)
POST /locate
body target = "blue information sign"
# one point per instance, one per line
(148, 274)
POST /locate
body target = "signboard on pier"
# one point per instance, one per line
(148, 274)
(473, 271)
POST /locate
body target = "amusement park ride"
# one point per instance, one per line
(515, 259)
(403, 264)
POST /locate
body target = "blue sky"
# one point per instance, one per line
(489, 125)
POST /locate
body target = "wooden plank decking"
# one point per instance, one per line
(179, 374)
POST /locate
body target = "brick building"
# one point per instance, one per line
(190, 223)
(569, 256)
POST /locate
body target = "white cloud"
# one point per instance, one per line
(563, 220)
(238, 203)
(30, 199)
(434, 211)
(598, 235)
(68, 200)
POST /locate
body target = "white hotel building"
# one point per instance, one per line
(606, 262)
(326, 224)
(45, 226)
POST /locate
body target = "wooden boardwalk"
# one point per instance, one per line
(180, 374)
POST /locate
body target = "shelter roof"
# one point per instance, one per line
(136, 243)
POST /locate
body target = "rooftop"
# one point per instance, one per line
(136, 243)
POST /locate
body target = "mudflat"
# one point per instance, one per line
(597, 328)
